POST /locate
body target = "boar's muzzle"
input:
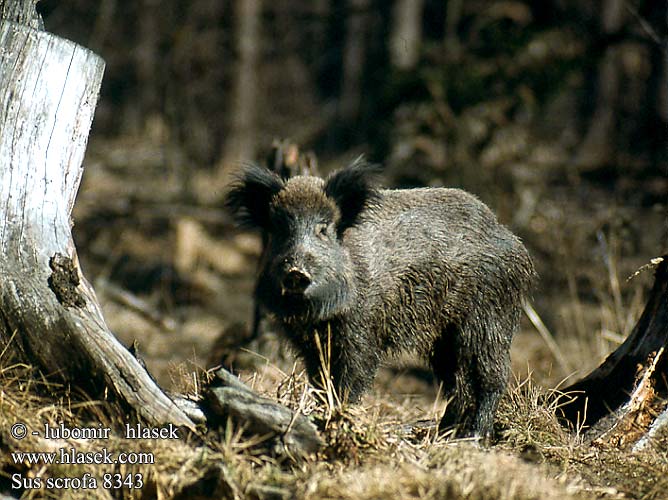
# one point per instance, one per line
(295, 281)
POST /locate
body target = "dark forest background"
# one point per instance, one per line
(589, 79)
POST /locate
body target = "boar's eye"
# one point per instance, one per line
(323, 230)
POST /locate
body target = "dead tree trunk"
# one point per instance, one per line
(621, 399)
(22, 12)
(49, 315)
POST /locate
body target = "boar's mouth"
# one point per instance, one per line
(316, 303)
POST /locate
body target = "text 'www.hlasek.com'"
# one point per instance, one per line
(64, 446)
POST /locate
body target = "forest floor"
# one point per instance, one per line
(173, 275)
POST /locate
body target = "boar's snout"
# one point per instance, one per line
(295, 281)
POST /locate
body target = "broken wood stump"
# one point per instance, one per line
(288, 432)
(624, 402)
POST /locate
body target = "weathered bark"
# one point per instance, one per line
(629, 388)
(659, 425)
(293, 433)
(634, 418)
(49, 314)
(21, 12)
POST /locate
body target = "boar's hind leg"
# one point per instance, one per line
(491, 368)
(473, 361)
(451, 365)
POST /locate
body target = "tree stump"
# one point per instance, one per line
(625, 398)
(49, 315)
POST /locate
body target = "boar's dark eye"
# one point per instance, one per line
(322, 230)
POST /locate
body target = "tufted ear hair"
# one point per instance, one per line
(352, 188)
(249, 198)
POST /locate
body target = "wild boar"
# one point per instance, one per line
(426, 270)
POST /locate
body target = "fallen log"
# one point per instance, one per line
(624, 399)
(288, 432)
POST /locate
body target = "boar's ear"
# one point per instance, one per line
(352, 188)
(249, 198)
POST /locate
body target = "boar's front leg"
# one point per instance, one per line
(350, 360)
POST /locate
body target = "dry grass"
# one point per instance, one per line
(379, 449)
(370, 452)
(175, 463)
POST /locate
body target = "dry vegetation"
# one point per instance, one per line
(381, 449)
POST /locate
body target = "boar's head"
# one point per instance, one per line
(307, 271)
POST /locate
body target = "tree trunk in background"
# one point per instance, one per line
(354, 59)
(597, 147)
(49, 315)
(453, 15)
(662, 98)
(104, 24)
(240, 144)
(406, 36)
(146, 63)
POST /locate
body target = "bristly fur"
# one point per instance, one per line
(352, 188)
(251, 194)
